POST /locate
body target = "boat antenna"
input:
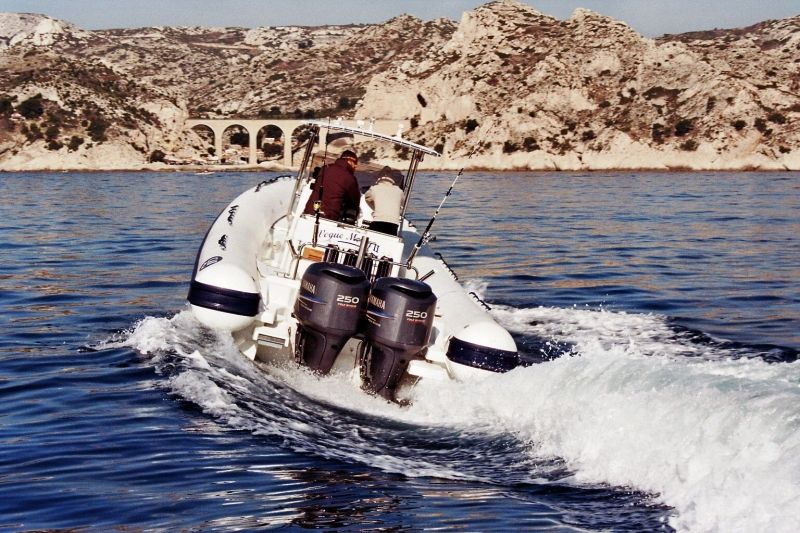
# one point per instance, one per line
(318, 202)
(426, 235)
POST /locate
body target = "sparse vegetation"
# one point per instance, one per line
(97, 129)
(683, 126)
(52, 132)
(530, 144)
(74, 143)
(658, 132)
(777, 118)
(761, 125)
(54, 145)
(6, 105)
(32, 133)
(470, 125)
(272, 150)
(32, 107)
(690, 145)
(240, 138)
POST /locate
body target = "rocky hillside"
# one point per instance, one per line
(506, 87)
(590, 92)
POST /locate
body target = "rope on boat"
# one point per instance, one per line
(232, 213)
(480, 300)
(452, 272)
(273, 180)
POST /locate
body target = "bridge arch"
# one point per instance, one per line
(235, 135)
(206, 135)
(292, 139)
(270, 143)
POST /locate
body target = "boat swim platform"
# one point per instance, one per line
(287, 127)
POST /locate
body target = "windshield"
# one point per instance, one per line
(378, 155)
(367, 172)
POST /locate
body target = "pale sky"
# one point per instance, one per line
(649, 17)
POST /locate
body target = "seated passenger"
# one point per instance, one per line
(337, 184)
(384, 198)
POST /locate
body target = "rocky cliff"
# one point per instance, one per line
(506, 87)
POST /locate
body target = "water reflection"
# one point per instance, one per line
(329, 503)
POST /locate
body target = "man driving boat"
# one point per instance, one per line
(336, 188)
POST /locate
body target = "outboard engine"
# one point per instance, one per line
(399, 323)
(328, 309)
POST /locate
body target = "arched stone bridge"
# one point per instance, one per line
(287, 127)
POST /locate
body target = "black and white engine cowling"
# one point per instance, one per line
(328, 310)
(400, 315)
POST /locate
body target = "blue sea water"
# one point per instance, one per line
(660, 313)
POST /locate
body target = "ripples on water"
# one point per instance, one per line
(665, 306)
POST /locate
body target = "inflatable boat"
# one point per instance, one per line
(337, 295)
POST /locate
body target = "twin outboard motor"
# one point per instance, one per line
(328, 309)
(400, 316)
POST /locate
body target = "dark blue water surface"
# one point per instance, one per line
(120, 413)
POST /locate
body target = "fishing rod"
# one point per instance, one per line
(426, 235)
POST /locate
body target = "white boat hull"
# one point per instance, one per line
(250, 272)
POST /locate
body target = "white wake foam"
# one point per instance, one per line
(717, 439)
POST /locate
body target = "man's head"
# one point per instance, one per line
(350, 158)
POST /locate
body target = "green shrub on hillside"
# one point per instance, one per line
(97, 129)
(52, 132)
(761, 125)
(271, 150)
(683, 127)
(658, 132)
(32, 107)
(74, 143)
(777, 118)
(6, 105)
(530, 144)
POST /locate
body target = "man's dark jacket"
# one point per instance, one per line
(339, 191)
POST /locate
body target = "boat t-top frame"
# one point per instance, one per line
(418, 152)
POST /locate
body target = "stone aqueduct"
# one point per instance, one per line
(287, 127)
